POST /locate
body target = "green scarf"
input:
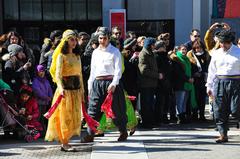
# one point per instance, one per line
(188, 86)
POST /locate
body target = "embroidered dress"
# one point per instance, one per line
(66, 120)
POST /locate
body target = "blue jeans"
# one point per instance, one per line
(181, 101)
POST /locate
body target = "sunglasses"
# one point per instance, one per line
(196, 36)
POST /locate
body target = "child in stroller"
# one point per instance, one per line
(24, 116)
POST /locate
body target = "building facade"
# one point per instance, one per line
(34, 19)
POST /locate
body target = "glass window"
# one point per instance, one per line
(94, 9)
(76, 10)
(11, 9)
(30, 10)
(31, 34)
(153, 28)
(53, 10)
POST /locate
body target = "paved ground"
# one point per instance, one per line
(195, 141)
(40, 149)
(172, 141)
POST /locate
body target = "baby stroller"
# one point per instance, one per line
(10, 120)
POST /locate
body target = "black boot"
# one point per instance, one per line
(181, 119)
(123, 136)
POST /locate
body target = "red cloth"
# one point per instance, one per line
(53, 107)
(93, 124)
(107, 106)
(90, 121)
(132, 98)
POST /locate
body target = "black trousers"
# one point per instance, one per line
(97, 97)
(200, 91)
(227, 101)
(147, 105)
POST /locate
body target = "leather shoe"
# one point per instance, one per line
(132, 131)
(123, 136)
(87, 139)
(99, 135)
(67, 148)
(222, 139)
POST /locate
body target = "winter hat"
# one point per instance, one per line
(40, 68)
(14, 49)
(25, 89)
(148, 42)
(225, 36)
(159, 44)
(129, 43)
(55, 33)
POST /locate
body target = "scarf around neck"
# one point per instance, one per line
(185, 61)
(188, 86)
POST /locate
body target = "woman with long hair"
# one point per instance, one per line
(66, 71)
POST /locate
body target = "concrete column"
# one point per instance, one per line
(205, 16)
(196, 14)
(210, 5)
(110, 4)
(183, 20)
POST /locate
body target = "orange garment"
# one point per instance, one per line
(66, 120)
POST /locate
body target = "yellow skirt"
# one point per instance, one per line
(65, 122)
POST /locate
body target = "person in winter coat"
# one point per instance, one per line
(28, 107)
(199, 59)
(183, 81)
(43, 92)
(149, 77)
(16, 70)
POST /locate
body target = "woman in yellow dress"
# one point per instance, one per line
(66, 71)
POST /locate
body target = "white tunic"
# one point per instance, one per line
(223, 63)
(105, 62)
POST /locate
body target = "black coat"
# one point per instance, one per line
(178, 74)
(164, 67)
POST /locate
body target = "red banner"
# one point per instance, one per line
(232, 9)
(118, 18)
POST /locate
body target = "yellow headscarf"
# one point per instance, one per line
(66, 35)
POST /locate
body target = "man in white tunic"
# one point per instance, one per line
(223, 83)
(106, 71)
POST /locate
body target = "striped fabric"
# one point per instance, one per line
(226, 8)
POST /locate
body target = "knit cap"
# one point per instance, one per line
(14, 49)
